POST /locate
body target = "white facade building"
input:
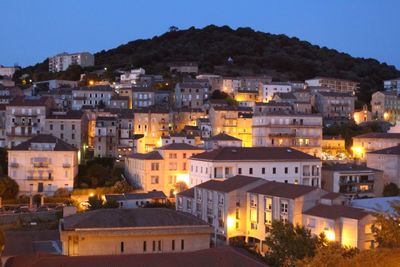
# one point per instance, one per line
(62, 61)
(267, 90)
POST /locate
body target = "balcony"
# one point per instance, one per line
(66, 165)
(14, 165)
(40, 178)
(40, 164)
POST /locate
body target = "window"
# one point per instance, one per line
(154, 166)
(72, 136)
(286, 169)
(184, 155)
(273, 170)
(239, 170)
(172, 155)
(311, 222)
(159, 245)
(51, 127)
(182, 244)
(250, 170)
(296, 170)
(144, 246)
(284, 207)
(263, 170)
(173, 166)
(154, 245)
(173, 244)
(154, 179)
(122, 247)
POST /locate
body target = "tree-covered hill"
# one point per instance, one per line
(252, 52)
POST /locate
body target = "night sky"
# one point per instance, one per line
(32, 30)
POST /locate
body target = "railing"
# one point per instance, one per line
(66, 165)
(40, 164)
(14, 165)
(47, 178)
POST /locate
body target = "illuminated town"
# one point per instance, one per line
(208, 146)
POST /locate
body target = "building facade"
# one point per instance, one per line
(62, 61)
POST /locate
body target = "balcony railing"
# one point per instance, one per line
(43, 178)
(14, 165)
(40, 164)
(66, 165)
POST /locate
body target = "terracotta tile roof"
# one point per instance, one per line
(128, 218)
(179, 146)
(229, 184)
(60, 145)
(29, 101)
(215, 257)
(154, 155)
(347, 167)
(394, 150)
(284, 190)
(187, 193)
(379, 135)
(254, 154)
(132, 196)
(223, 137)
(336, 211)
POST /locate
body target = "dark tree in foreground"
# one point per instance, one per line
(391, 190)
(8, 188)
(386, 228)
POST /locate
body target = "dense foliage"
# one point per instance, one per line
(8, 188)
(290, 243)
(387, 227)
(391, 190)
(252, 53)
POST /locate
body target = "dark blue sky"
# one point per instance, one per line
(35, 29)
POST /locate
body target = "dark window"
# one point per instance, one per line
(296, 169)
(250, 170)
(240, 171)
(263, 170)
(159, 245)
(182, 244)
(286, 169)
(122, 247)
(144, 246)
(173, 244)
(274, 170)
(154, 245)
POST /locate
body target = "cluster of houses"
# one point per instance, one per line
(236, 164)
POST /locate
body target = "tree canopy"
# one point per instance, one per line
(8, 188)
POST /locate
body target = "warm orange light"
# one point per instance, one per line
(230, 222)
(330, 235)
(91, 82)
(357, 151)
(183, 177)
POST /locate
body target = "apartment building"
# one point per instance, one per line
(221, 140)
(93, 96)
(178, 138)
(152, 123)
(25, 118)
(42, 165)
(385, 106)
(283, 129)
(69, 126)
(246, 98)
(120, 102)
(271, 163)
(190, 94)
(234, 121)
(185, 116)
(137, 200)
(370, 142)
(143, 97)
(352, 181)
(8, 71)
(335, 108)
(334, 85)
(184, 67)
(106, 136)
(132, 231)
(267, 90)
(222, 204)
(388, 161)
(333, 147)
(392, 85)
(363, 115)
(204, 125)
(346, 225)
(276, 201)
(132, 76)
(161, 169)
(3, 142)
(62, 61)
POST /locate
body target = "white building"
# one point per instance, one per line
(62, 61)
(281, 164)
(93, 96)
(392, 85)
(8, 71)
(42, 165)
(132, 77)
(267, 90)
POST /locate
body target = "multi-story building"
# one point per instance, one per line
(152, 123)
(26, 117)
(8, 71)
(276, 201)
(246, 98)
(334, 85)
(221, 140)
(137, 200)
(190, 94)
(222, 204)
(106, 136)
(119, 102)
(204, 125)
(369, 142)
(351, 227)
(333, 147)
(178, 138)
(132, 231)
(388, 161)
(300, 131)
(132, 77)
(143, 97)
(392, 85)
(71, 127)
(271, 163)
(184, 67)
(185, 116)
(42, 165)
(161, 169)
(353, 181)
(62, 61)
(385, 106)
(93, 96)
(267, 90)
(3, 142)
(335, 108)
(362, 116)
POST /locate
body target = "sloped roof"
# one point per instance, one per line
(336, 211)
(60, 145)
(379, 135)
(254, 154)
(284, 190)
(179, 146)
(229, 184)
(153, 155)
(394, 150)
(223, 137)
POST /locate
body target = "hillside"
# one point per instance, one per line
(253, 53)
